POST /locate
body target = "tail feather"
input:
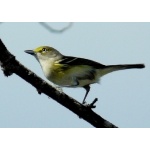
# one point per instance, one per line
(127, 66)
(112, 68)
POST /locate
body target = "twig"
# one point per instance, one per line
(10, 65)
(49, 28)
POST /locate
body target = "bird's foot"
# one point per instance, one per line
(58, 88)
(91, 105)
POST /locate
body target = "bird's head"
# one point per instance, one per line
(44, 53)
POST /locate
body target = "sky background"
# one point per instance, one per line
(124, 96)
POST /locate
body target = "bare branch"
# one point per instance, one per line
(10, 65)
(49, 28)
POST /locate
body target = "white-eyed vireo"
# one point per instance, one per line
(68, 71)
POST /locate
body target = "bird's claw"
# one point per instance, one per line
(91, 105)
(58, 88)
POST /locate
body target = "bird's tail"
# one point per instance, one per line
(112, 68)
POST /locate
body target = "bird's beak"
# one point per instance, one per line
(31, 52)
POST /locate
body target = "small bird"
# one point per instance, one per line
(68, 71)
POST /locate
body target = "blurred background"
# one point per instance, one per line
(124, 96)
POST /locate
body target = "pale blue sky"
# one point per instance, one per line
(124, 96)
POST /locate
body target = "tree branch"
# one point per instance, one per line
(10, 65)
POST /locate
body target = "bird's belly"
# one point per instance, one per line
(70, 80)
(74, 77)
(59, 78)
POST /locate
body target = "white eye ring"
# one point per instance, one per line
(44, 50)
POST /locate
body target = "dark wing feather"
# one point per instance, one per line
(69, 60)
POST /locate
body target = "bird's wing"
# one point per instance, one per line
(73, 61)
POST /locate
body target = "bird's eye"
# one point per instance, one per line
(44, 50)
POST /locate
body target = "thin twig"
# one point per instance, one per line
(49, 28)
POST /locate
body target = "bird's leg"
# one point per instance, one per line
(87, 88)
